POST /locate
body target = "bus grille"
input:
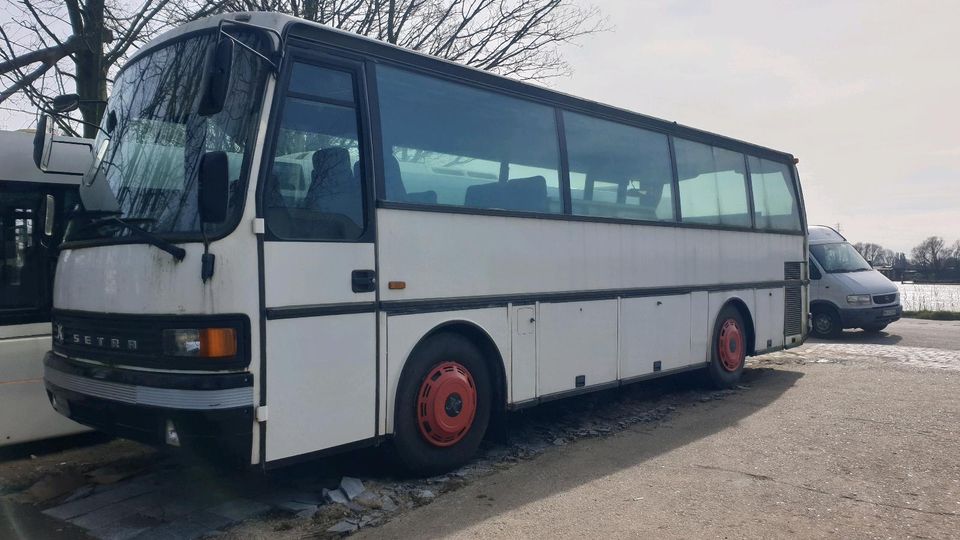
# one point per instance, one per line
(792, 311)
(791, 270)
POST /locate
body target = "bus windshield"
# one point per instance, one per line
(149, 159)
(839, 258)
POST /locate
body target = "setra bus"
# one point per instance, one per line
(33, 205)
(301, 241)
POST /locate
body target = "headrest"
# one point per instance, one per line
(331, 159)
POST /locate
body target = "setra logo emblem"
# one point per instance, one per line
(58, 335)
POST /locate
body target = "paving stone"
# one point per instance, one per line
(335, 496)
(240, 509)
(351, 487)
(190, 526)
(111, 513)
(100, 500)
(126, 528)
(343, 527)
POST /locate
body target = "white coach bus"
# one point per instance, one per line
(32, 208)
(326, 242)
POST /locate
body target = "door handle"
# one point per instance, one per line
(363, 281)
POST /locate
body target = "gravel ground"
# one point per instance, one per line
(854, 438)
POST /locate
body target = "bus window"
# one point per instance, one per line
(774, 202)
(713, 187)
(22, 269)
(617, 170)
(447, 143)
(315, 187)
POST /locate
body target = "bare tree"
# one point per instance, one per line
(516, 38)
(876, 254)
(50, 47)
(930, 255)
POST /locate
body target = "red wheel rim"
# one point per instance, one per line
(730, 345)
(446, 404)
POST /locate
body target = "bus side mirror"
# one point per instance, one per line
(216, 77)
(65, 103)
(43, 142)
(49, 215)
(213, 187)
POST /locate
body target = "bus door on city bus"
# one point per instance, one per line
(318, 261)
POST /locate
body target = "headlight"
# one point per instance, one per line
(200, 342)
(859, 299)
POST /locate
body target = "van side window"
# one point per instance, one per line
(713, 185)
(814, 271)
(452, 144)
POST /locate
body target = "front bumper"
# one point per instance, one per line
(210, 412)
(859, 318)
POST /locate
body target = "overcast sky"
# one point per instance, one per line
(865, 93)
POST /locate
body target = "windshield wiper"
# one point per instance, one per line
(175, 251)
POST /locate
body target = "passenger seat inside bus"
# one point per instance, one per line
(393, 182)
(521, 194)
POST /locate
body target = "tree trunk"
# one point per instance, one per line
(91, 71)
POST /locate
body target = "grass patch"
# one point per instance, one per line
(933, 315)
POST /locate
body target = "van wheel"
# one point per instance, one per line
(729, 350)
(443, 405)
(874, 329)
(826, 324)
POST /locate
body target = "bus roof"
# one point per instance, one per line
(289, 26)
(70, 157)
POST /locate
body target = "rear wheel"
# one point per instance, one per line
(826, 323)
(729, 349)
(443, 405)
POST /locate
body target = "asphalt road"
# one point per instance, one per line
(855, 448)
(908, 333)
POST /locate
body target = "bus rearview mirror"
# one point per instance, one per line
(65, 103)
(216, 77)
(43, 142)
(213, 187)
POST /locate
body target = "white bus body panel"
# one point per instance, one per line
(25, 412)
(447, 255)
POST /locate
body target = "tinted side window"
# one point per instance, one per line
(774, 200)
(617, 170)
(713, 188)
(22, 257)
(452, 144)
(315, 187)
(814, 271)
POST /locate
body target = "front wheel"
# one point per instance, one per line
(443, 405)
(729, 349)
(826, 324)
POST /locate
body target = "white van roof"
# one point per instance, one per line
(70, 158)
(821, 234)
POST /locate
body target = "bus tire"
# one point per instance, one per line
(443, 405)
(826, 323)
(728, 349)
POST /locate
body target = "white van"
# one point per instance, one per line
(845, 291)
(33, 205)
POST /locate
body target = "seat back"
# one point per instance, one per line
(521, 194)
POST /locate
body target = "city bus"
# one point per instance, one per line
(32, 218)
(300, 241)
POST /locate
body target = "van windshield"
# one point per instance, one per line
(839, 258)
